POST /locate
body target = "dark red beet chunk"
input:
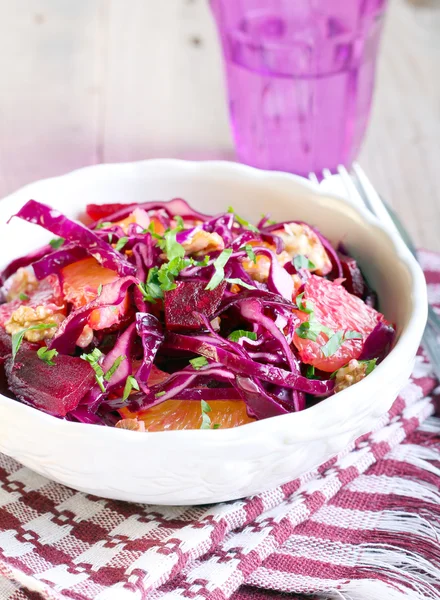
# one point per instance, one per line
(5, 345)
(55, 389)
(189, 297)
(354, 280)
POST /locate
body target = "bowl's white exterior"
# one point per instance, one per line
(193, 467)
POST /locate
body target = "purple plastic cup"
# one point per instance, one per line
(300, 77)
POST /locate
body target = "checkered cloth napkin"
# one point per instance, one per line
(365, 525)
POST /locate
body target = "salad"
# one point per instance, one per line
(155, 316)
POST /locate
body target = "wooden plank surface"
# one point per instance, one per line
(106, 80)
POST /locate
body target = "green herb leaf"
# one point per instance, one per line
(104, 225)
(352, 335)
(216, 426)
(240, 333)
(206, 420)
(99, 289)
(310, 330)
(199, 362)
(160, 394)
(333, 344)
(239, 281)
(17, 338)
(180, 223)
(110, 237)
(243, 222)
(93, 359)
(205, 406)
(250, 252)
(114, 368)
(371, 365)
(47, 355)
(302, 262)
(310, 372)
(23, 297)
(304, 305)
(171, 246)
(57, 243)
(121, 243)
(130, 384)
(336, 341)
(219, 266)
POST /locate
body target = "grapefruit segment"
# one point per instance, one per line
(340, 311)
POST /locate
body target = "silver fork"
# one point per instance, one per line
(361, 191)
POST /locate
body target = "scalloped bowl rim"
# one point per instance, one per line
(412, 330)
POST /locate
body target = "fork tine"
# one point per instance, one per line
(313, 178)
(353, 192)
(372, 198)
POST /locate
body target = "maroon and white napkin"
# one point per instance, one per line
(365, 525)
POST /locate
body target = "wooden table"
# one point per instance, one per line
(87, 81)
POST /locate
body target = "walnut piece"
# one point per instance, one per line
(22, 282)
(26, 316)
(349, 375)
(132, 424)
(301, 239)
(203, 242)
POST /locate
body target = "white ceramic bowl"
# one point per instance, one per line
(194, 467)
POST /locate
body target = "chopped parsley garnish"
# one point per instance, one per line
(110, 237)
(198, 362)
(219, 266)
(333, 344)
(241, 333)
(242, 221)
(310, 330)
(304, 305)
(47, 355)
(93, 359)
(17, 338)
(336, 341)
(114, 367)
(206, 419)
(99, 289)
(239, 281)
(250, 252)
(371, 365)
(160, 394)
(121, 243)
(104, 225)
(151, 289)
(352, 335)
(57, 243)
(310, 372)
(130, 384)
(302, 262)
(180, 223)
(23, 297)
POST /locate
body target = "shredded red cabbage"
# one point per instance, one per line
(200, 308)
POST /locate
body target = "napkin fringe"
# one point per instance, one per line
(406, 565)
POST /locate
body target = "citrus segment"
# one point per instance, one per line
(187, 414)
(81, 282)
(340, 311)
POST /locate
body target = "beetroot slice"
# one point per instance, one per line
(354, 280)
(189, 297)
(5, 345)
(55, 389)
